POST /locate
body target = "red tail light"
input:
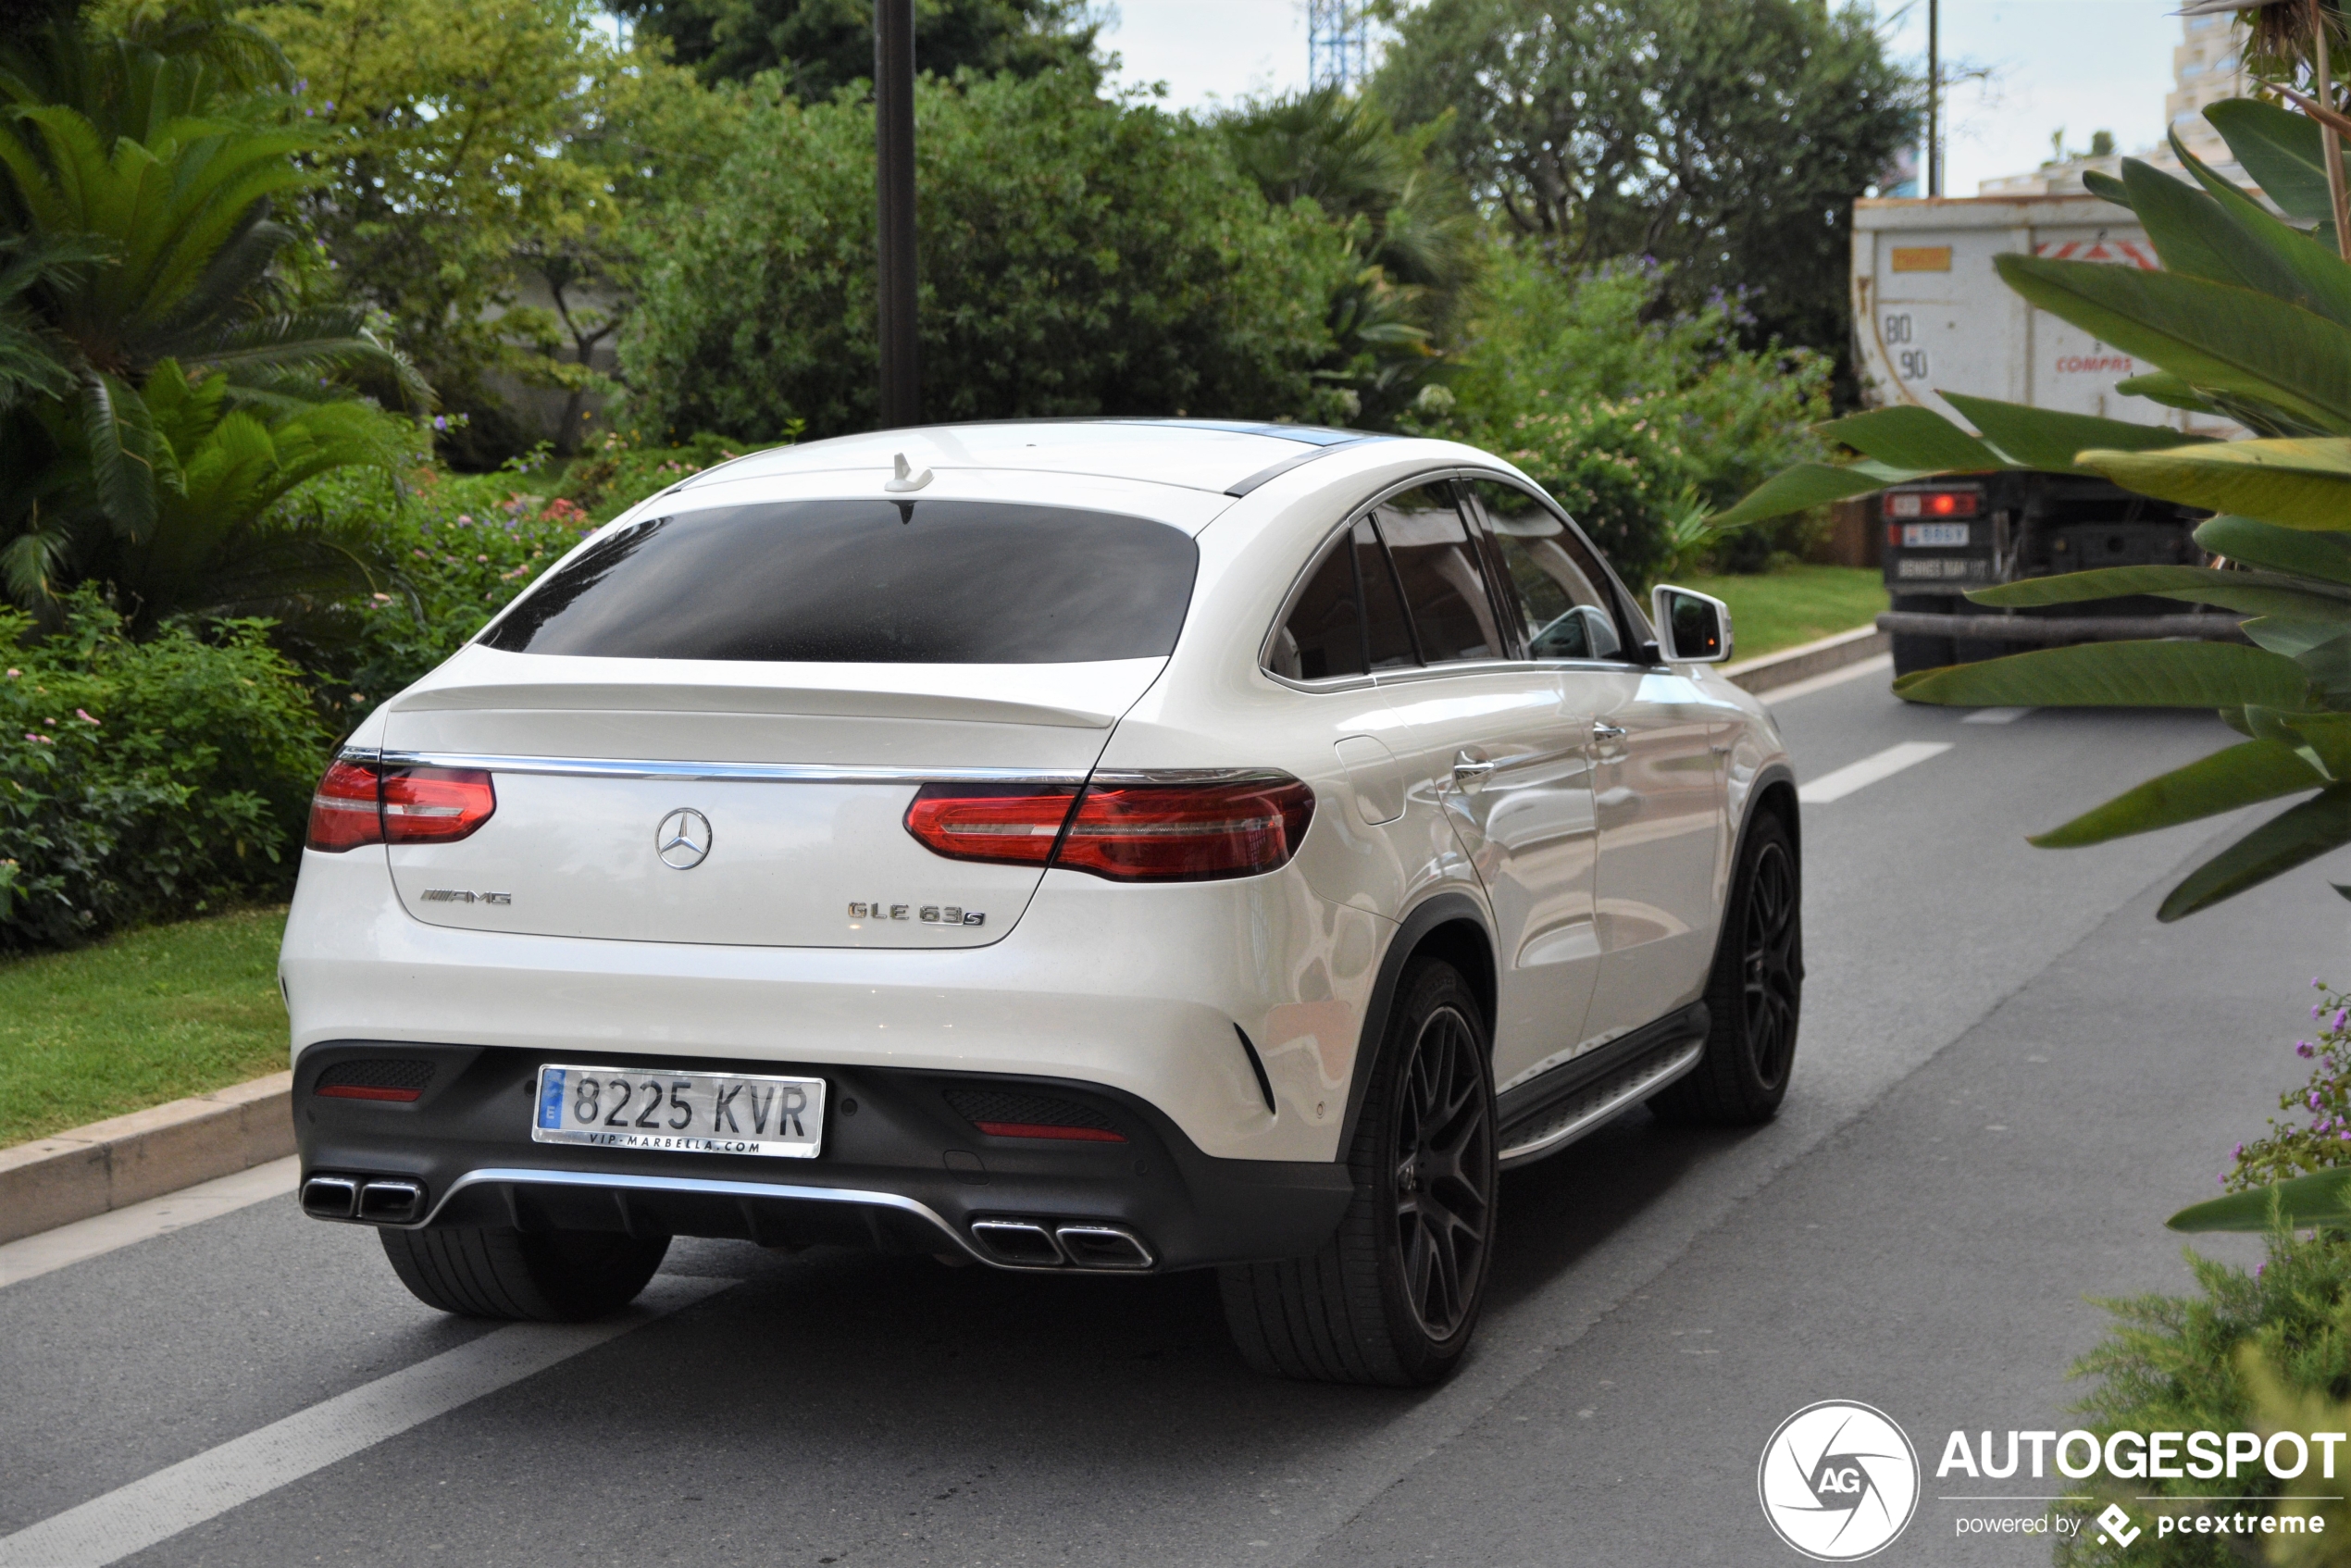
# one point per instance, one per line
(1009, 824)
(344, 812)
(1932, 503)
(435, 805)
(1143, 832)
(359, 803)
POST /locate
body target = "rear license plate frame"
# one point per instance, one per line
(694, 1111)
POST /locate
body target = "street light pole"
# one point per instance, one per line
(1934, 97)
(902, 393)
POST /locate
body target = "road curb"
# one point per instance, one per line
(111, 1164)
(1801, 663)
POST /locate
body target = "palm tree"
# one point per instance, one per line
(136, 179)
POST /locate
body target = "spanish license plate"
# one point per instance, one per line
(685, 1112)
(1933, 535)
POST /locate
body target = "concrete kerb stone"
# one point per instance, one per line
(1803, 663)
(125, 1160)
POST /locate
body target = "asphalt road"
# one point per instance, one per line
(2008, 1073)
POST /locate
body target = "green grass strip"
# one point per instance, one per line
(1795, 605)
(152, 1015)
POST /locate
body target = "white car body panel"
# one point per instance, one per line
(1599, 876)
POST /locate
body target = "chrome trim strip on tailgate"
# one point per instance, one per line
(768, 772)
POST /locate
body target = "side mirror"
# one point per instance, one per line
(1692, 628)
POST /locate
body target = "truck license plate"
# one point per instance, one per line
(683, 1113)
(1931, 535)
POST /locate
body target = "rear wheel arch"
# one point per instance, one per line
(1449, 926)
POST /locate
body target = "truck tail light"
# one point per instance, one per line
(1932, 503)
(363, 803)
(1127, 832)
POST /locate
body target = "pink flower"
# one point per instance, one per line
(83, 714)
(14, 674)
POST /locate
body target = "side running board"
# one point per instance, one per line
(1546, 1115)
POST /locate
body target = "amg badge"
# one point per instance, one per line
(460, 895)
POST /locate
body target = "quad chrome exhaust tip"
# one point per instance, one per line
(371, 1200)
(1022, 1243)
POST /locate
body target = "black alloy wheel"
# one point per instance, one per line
(1394, 1297)
(1755, 998)
(1443, 1185)
(1769, 960)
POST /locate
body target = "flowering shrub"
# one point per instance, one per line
(1631, 416)
(140, 780)
(2317, 1136)
(2255, 1350)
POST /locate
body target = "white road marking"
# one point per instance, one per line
(30, 1256)
(1777, 695)
(1995, 715)
(130, 1519)
(1869, 770)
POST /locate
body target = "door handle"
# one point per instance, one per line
(1603, 731)
(1470, 772)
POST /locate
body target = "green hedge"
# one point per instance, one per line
(145, 779)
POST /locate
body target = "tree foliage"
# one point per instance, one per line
(820, 46)
(142, 336)
(1077, 256)
(479, 163)
(1728, 141)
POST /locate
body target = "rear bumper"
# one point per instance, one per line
(902, 1172)
(2044, 630)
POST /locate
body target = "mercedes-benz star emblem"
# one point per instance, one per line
(683, 838)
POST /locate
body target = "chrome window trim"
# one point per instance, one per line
(750, 772)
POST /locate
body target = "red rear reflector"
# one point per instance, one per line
(435, 805)
(1039, 1130)
(367, 1091)
(344, 812)
(1009, 824)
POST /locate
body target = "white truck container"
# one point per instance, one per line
(1931, 314)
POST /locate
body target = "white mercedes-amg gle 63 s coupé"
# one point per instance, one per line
(1118, 845)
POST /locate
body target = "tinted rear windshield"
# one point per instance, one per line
(930, 582)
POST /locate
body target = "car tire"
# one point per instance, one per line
(1394, 1297)
(1755, 996)
(538, 1276)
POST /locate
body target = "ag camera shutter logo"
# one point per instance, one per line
(1838, 1481)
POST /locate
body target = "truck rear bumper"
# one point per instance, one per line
(2062, 628)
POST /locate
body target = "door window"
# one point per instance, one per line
(1327, 632)
(1437, 563)
(1559, 587)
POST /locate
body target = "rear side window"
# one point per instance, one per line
(1438, 565)
(1346, 619)
(943, 582)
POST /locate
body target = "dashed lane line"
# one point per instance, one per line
(1995, 715)
(130, 1519)
(1870, 770)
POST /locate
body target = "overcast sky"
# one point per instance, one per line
(2081, 65)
